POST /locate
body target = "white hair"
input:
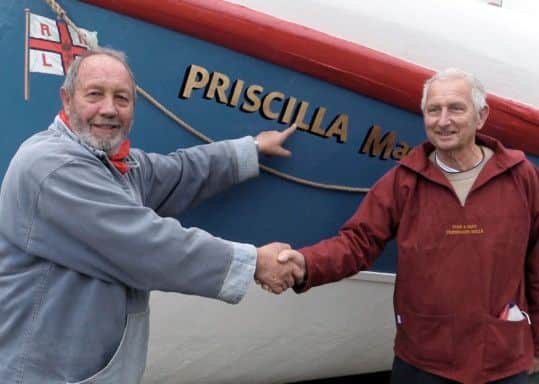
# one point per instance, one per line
(477, 88)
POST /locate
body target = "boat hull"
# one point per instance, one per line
(359, 113)
(340, 329)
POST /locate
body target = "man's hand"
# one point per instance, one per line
(535, 366)
(271, 142)
(293, 256)
(273, 275)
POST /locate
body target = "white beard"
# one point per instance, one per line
(110, 146)
(82, 129)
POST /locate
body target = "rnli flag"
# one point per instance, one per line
(53, 45)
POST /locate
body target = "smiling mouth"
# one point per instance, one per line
(446, 133)
(106, 126)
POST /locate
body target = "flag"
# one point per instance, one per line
(53, 45)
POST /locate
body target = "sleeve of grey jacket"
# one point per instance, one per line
(91, 226)
(174, 182)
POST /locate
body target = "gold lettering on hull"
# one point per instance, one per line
(273, 105)
(384, 147)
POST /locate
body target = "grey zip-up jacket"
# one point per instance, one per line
(81, 246)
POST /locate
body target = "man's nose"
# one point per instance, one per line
(107, 107)
(445, 117)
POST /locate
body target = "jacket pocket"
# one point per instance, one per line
(428, 338)
(505, 342)
(129, 360)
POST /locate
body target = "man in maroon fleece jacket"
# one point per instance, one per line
(467, 288)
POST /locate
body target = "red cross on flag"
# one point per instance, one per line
(53, 45)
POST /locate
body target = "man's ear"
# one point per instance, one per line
(483, 115)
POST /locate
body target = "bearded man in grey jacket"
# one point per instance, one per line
(86, 233)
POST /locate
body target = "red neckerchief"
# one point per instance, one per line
(118, 158)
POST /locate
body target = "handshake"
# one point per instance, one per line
(279, 267)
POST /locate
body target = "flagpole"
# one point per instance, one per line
(26, 56)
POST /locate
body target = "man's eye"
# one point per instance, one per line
(122, 100)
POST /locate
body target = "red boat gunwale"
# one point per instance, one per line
(337, 61)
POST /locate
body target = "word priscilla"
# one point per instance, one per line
(272, 105)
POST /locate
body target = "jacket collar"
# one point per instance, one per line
(418, 161)
(503, 159)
